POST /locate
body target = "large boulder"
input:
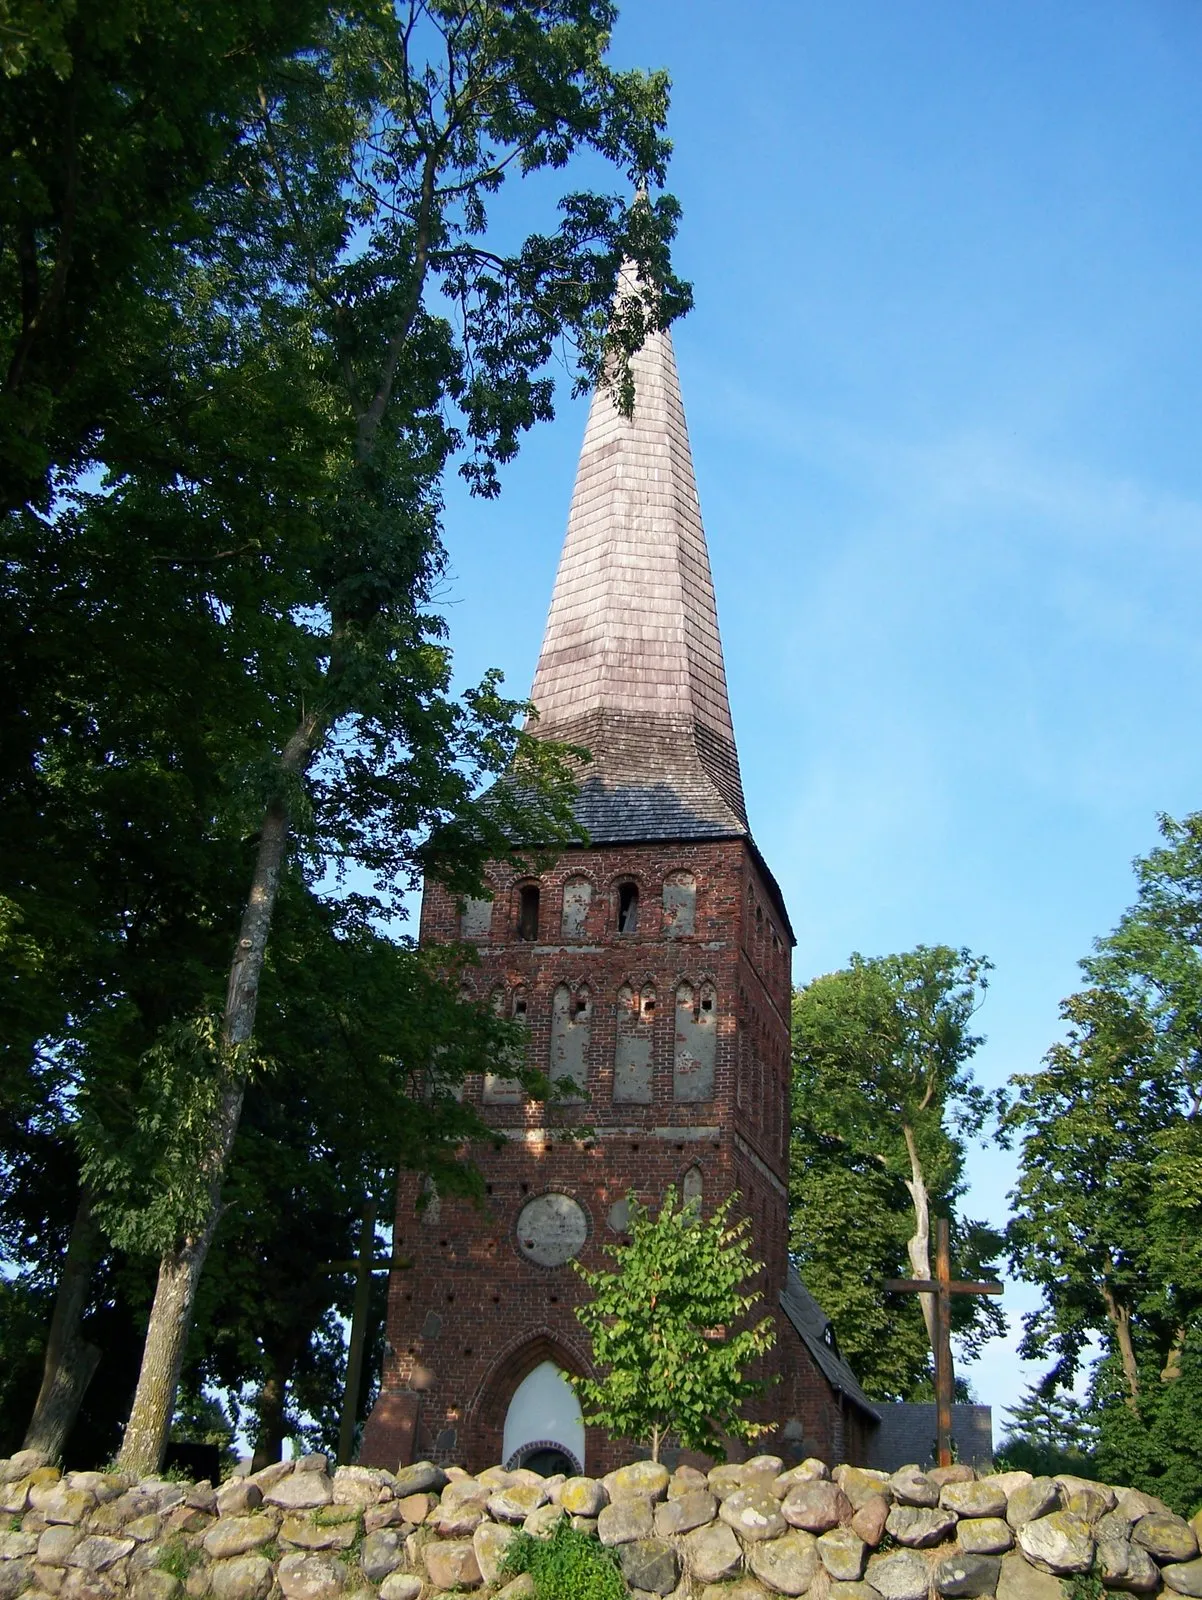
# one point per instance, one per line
(515, 1503)
(979, 1497)
(490, 1543)
(816, 1505)
(712, 1553)
(304, 1532)
(648, 1479)
(543, 1520)
(401, 1586)
(15, 1577)
(301, 1491)
(584, 1497)
(870, 1520)
(234, 1536)
(625, 1520)
(1038, 1498)
(1085, 1498)
(96, 1552)
(241, 1578)
(1183, 1577)
(1061, 1542)
(685, 1512)
(452, 1564)
(858, 1483)
(916, 1527)
(381, 1554)
(724, 1479)
(843, 1554)
(1019, 1580)
(753, 1513)
(910, 1486)
(899, 1575)
(305, 1576)
(788, 1565)
(238, 1496)
(962, 1575)
(53, 1547)
(1166, 1538)
(984, 1536)
(650, 1565)
(1123, 1565)
(423, 1477)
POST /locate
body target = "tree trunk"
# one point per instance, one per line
(1120, 1321)
(269, 1434)
(1172, 1368)
(918, 1247)
(179, 1270)
(70, 1360)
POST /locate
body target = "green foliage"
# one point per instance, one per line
(1108, 1207)
(178, 1557)
(664, 1330)
(568, 1566)
(1086, 1586)
(1047, 1433)
(256, 308)
(884, 1102)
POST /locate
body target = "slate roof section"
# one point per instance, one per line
(812, 1324)
(631, 664)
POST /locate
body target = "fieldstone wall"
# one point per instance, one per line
(745, 1532)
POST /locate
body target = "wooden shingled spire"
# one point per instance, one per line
(631, 663)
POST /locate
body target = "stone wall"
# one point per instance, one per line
(746, 1532)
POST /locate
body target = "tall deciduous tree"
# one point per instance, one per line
(335, 322)
(1108, 1207)
(669, 1332)
(884, 1103)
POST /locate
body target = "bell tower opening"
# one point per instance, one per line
(544, 1428)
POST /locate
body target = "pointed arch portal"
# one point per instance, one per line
(544, 1428)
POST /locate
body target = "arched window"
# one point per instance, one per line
(628, 907)
(691, 1187)
(528, 912)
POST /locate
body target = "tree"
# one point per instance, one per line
(884, 1102)
(664, 1327)
(1108, 1204)
(1047, 1433)
(112, 123)
(334, 325)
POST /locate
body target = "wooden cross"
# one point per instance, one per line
(943, 1287)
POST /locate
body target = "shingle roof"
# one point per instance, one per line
(631, 663)
(812, 1325)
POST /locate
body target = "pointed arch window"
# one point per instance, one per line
(628, 907)
(528, 898)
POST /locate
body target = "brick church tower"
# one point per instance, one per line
(652, 971)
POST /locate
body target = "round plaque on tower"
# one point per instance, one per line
(551, 1229)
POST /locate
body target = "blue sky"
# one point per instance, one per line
(943, 382)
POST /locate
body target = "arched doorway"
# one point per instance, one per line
(544, 1429)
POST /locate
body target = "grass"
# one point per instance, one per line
(567, 1566)
(178, 1558)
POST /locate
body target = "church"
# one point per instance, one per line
(651, 968)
